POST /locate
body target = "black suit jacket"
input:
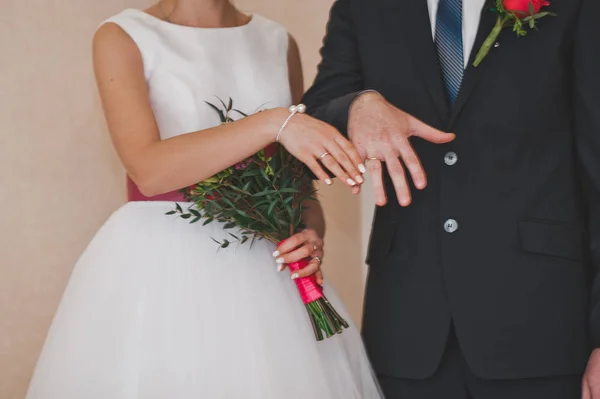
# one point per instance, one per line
(516, 277)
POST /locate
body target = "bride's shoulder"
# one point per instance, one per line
(131, 21)
(127, 35)
(272, 33)
(115, 29)
(267, 24)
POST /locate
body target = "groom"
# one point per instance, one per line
(484, 286)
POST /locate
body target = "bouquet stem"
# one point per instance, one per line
(325, 320)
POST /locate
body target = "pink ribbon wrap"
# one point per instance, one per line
(308, 288)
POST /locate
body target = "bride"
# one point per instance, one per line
(153, 309)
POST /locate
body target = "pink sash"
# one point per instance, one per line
(134, 194)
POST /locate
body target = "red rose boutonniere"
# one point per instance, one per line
(517, 14)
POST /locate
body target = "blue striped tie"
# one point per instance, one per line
(449, 44)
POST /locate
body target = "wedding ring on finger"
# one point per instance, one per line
(318, 259)
(323, 155)
(373, 159)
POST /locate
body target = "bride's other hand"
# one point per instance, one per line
(318, 145)
(302, 245)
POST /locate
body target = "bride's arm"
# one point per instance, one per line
(313, 215)
(158, 166)
(309, 242)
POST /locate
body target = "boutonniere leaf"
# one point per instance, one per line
(518, 14)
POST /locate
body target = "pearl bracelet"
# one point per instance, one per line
(294, 109)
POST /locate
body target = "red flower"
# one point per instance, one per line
(521, 7)
(212, 197)
(270, 150)
(518, 14)
(243, 164)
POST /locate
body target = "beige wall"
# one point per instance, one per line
(60, 178)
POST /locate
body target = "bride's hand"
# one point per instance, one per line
(319, 144)
(306, 244)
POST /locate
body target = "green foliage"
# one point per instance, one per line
(262, 196)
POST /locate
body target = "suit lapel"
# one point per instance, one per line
(417, 31)
(472, 75)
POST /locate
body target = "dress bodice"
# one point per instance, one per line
(185, 67)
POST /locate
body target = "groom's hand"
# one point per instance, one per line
(380, 132)
(591, 378)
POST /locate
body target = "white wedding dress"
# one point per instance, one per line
(153, 309)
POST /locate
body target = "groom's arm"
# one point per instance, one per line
(586, 107)
(339, 79)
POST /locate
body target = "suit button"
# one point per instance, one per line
(450, 226)
(451, 158)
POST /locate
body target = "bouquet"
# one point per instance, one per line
(262, 196)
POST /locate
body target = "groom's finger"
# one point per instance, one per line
(426, 132)
(375, 172)
(585, 388)
(396, 172)
(413, 164)
(595, 390)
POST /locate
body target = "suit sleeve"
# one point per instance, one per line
(339, 79)
(586, 106)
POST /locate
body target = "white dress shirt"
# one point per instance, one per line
(471, 13)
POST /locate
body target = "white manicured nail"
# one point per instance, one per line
(359, 179)
(279, 260)
(351, 182)
(276, 254)
(295, 276)
(362, 168)
(328, 182)
(280, 268)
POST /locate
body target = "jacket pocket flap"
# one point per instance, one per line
(551, 238)
(380, 243)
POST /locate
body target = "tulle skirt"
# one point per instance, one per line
(155, 310)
